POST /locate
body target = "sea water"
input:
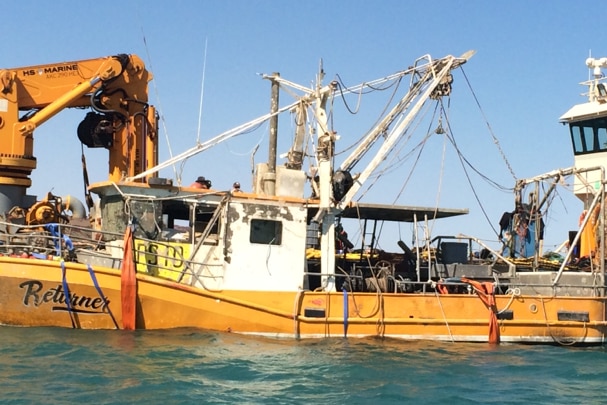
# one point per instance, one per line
(63, 366)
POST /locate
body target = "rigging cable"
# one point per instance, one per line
(439, 131)
(160, 109)
(340, 87)
(420, 146)
(462, 160)
(204, 68)
(396, 85)
(495, 140)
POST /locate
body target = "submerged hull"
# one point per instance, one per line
(32, 293)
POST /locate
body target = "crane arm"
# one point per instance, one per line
(110, 68)
(115, 87)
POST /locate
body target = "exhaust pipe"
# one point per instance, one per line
(75, 205)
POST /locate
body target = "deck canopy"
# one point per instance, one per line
(398, 213)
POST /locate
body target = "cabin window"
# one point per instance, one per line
(589, 136)
(576, 138)
(205, 222)
(147, 215)
(175, 221)
(589, 144)
(602, 136)
(266, 232)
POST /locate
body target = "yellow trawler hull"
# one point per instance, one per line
(32, 293)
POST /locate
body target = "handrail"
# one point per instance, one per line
(578, 235)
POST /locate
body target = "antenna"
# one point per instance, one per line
(589, 56)
(321, 73)
(204, 68)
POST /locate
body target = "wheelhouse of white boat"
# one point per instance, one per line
(588, 128)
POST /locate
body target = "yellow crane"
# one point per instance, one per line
(115, 88)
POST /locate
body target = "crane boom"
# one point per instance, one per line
(115, 88)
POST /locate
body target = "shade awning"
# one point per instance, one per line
(397, 213)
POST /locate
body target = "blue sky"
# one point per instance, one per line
(525, 74)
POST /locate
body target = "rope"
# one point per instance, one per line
(381, 326)
(66, 293)
(327, 310)
(373, 311)
(105, 303)
(345, 312)
(556, 339)
(440, 304)
(514, 292)
(85, 177)
(296, 309)
(128, 283)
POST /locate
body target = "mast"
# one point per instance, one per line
(433, 81)
(325, 154)
(270, 177)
